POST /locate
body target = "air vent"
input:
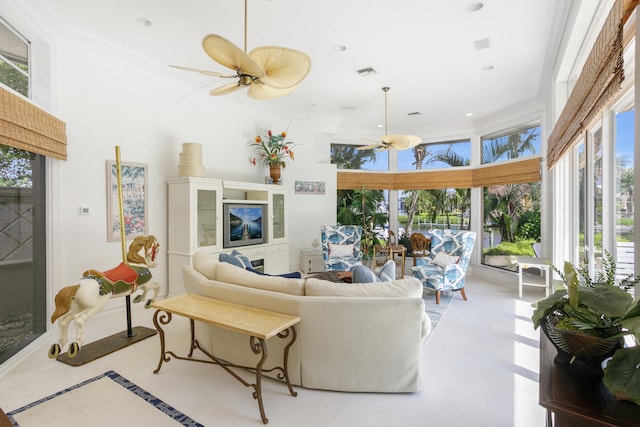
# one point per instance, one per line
(482, 44)
(366, 71)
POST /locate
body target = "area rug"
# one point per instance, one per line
(435, 311)
(107, 400)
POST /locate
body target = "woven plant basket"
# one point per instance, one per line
(579, 345)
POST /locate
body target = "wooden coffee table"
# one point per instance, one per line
(336, 276)
(259, 325)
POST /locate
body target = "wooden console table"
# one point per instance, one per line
(259, 325)
(575, 397)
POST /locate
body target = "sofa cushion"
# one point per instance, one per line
(243, 258)
(363, 274)
(206, 264)
(409, 287)
(233, 259)
(387, 272)
(239, 276)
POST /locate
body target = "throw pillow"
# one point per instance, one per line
(387, 272)
(363, 274)
(443, 259)
(242, 257)
(294, 275)
(237, 260)
(340, 251)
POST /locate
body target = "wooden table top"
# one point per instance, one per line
(240, 318)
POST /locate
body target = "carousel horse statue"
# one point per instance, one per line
(90, 294)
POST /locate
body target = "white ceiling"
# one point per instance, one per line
(424, 50)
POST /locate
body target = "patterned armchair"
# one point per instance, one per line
(445, 267)
(341, 246)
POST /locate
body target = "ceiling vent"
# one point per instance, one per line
(482, 44)
(366, 71)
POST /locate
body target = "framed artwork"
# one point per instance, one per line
(309, 187)
(134, 199)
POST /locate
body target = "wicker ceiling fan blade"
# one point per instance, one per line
(226, 53)
(225, 89)
(283, 67)
(261, 92)
(369, 147)
(208, 73)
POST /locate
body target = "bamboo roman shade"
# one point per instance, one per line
(514, 172)
(600, 79)
(25, 126)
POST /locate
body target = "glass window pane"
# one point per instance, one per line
(347, 156)
(511, 223)
(14, 60)
(434, 156)
(512, 145)
(583, 253)
(597, 198)
(421, 210)
(624, 175)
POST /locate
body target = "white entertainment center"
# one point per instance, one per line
(198, 222)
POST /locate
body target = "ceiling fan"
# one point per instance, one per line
(268, 71)
(395, 141)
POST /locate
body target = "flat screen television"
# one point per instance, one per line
(244, 224)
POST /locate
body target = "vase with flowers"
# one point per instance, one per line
(273, 150)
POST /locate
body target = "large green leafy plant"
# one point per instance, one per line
(603, 308)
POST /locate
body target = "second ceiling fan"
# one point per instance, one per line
(393, 141)
(268, 71)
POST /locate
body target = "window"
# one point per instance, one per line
(347, 156)
(434, 156)
(511, 223)
(22, 222)
(511, 145)
(624, 176)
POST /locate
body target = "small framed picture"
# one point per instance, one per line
(134, 178)
(309, 187)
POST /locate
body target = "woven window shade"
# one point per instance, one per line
(28, 127)
(516, 172)
(601, 77)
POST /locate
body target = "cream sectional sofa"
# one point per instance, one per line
(351, 337)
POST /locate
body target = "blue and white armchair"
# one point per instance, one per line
(444, 269)
(341, 246)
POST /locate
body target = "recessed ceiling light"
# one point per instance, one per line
(339, 48)
(469, 114)
(380, 126)
(474, 7)
(143, 21)
(487, 68)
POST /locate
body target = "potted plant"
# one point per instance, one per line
(588, 320)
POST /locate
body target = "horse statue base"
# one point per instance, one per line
(107, 345)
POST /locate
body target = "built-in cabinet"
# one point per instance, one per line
(196, 223)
